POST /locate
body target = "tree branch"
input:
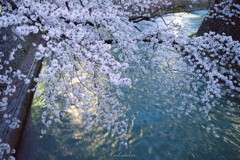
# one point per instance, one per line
(14, 6)
(138, 19)
(81, 3)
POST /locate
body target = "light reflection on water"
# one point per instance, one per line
(154, 132)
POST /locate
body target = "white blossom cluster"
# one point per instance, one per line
(78, 61)
(5, 149)
(214, 62)
(6, 81)
(12, 122)
(6, 77)
(144, 7)
(216, 57)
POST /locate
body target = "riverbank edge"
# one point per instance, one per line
(23, 102)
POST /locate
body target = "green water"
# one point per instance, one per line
(155, 133)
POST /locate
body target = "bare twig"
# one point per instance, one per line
(163, 20)
(14, 6)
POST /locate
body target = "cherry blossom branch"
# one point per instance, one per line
(14, 6)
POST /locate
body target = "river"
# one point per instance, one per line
(155, 133)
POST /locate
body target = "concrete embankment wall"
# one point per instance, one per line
(20, 102)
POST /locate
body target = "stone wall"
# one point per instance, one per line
(220, 25)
